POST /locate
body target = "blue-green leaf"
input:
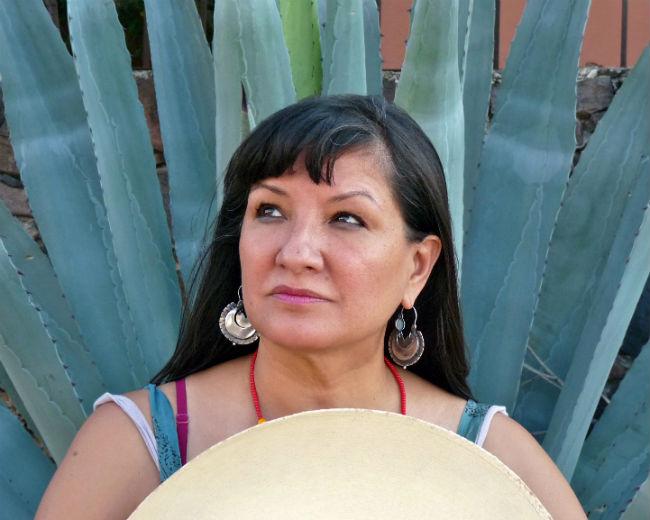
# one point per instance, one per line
(128, 175)
(619, 289)
(478, 50)
(30, 355)
(267, 69)
(465, 8)
(347, 67)
(429, 90)
(184, 80)
(611, 173)
(16, 400)
(372, 41)
(25, 471)
(42, 295)
(228, 70)
(638, 508)
(53, 150)
(524, 167)
(615, 459)
(13, 508)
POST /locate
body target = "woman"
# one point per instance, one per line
(334, 242)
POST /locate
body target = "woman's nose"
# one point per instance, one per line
(301, 249)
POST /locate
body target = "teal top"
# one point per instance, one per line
(169, 457)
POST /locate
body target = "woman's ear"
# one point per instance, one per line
(425, 254)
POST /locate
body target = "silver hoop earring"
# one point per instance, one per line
(405, 351)
(234, 324)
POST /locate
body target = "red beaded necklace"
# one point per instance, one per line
(256, 400)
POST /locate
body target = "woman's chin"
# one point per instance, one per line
(302, 341)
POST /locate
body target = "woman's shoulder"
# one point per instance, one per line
(211, 394)
(141, 398)
(433, 404)
(105, 460)
(196, 383)
(513, 445)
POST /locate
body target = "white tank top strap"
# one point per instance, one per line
(132, 410)
(485, 426)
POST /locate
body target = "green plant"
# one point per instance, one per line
(552, 264)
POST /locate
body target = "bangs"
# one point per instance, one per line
(320, 133)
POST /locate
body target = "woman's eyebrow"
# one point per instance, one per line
(355, 193)
(335, 198)
(269, 187)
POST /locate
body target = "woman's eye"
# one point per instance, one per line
(348, 218)
(268, 211)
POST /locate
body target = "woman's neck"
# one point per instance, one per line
(289, 382)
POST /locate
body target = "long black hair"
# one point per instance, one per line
(323, 128)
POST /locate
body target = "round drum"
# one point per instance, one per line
(340, 464)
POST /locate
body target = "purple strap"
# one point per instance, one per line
(182, 419)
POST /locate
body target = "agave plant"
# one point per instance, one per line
(553, 258)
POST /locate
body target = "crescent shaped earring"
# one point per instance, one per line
(234, 323)
(405, 351)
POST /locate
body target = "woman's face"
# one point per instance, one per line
(327, 265)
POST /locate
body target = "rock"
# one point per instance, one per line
(16, 200)
(29, 225)
(7, 162)
(11, 180)
(391, 78)
(147, 95)
(594, 95)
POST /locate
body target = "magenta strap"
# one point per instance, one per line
(182, 419)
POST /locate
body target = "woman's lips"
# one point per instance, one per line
(294, 298)
(293, 295)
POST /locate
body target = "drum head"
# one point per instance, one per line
(343, 463)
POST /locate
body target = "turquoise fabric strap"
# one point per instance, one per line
(472, 419)
(164, 429)
(169, 456)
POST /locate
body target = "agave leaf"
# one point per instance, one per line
(587, 226)
(128, 175)
(184, 81)
(42, 291)
(347, 66)
(638, 508)
(615, 459)
(228, 70)
(53, 149)
(31, 356)
(25, 471)
(524, 167)
(478, 51)
(465, 8)
(8, 387)
(638, 331)
(372, 41)
(302, 35)
(12, 506)
(267, 69)
(627, 268)
(429, 90)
